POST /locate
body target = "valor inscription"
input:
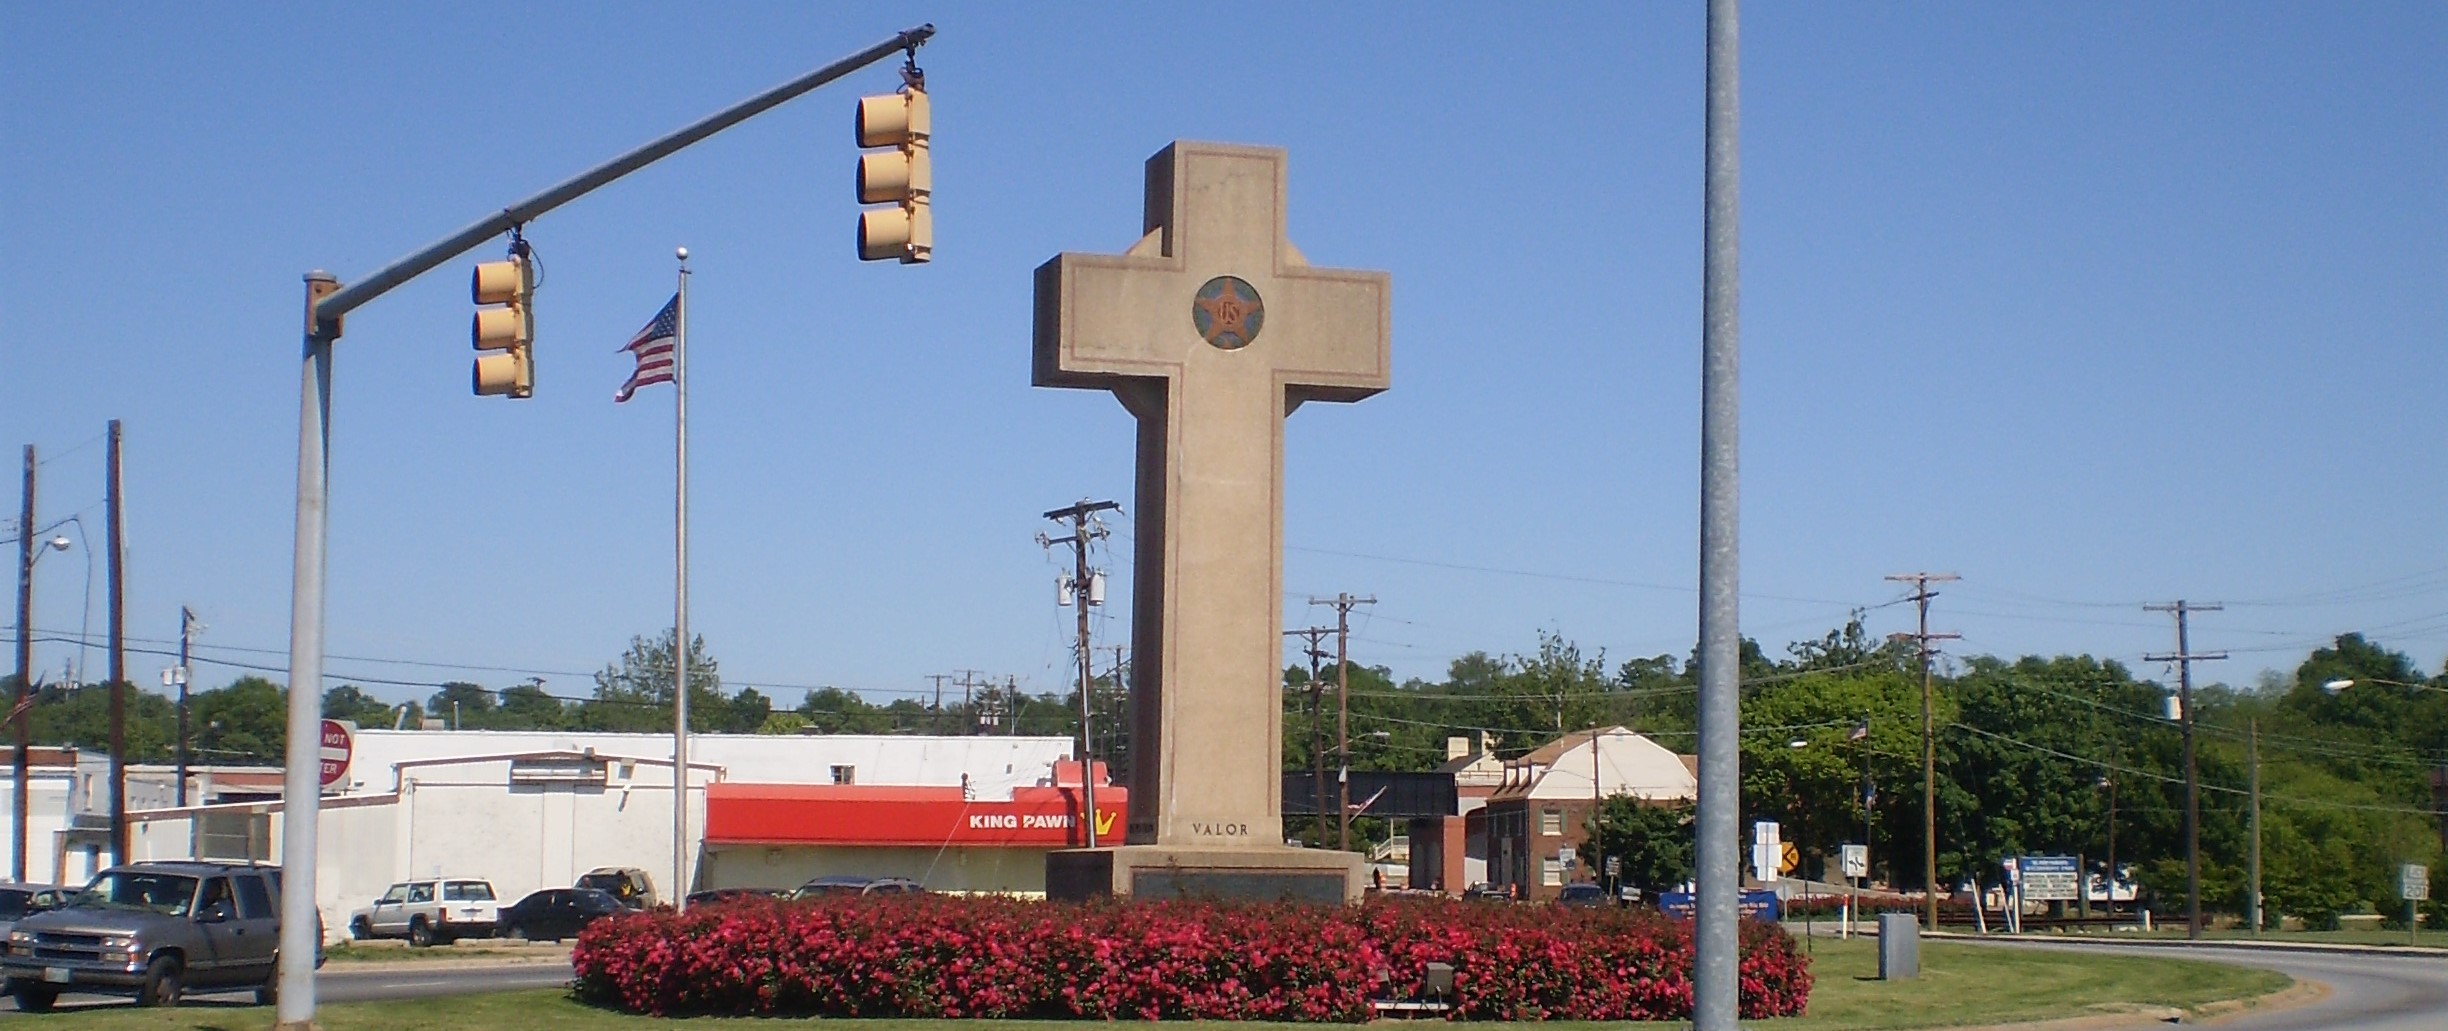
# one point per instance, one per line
(1220, 830)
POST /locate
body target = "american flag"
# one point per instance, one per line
(1860, 730)
(653, 347)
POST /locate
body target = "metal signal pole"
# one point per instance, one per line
(327, 303)
(1929, 739)
(1082, 532)
(2184, 658)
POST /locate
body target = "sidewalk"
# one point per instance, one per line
(2266, 944)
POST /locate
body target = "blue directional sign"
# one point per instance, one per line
(2050, 878)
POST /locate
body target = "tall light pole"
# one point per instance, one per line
(1717, 856)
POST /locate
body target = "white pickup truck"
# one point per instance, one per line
(430, 911)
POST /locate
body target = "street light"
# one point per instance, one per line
(2334, 687)
(25, 673)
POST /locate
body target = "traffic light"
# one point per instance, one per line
(901, 177)
(507, 329)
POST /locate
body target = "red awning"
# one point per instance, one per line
(824, 814)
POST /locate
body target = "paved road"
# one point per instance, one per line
(2373, 991)
(390, 981)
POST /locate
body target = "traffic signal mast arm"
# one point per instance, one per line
(329, 310)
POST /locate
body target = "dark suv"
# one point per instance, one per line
(152, 930)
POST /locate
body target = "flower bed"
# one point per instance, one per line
(944, 956)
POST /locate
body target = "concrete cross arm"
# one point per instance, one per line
(1212, 285)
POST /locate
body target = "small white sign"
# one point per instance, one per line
(2414, 882)
(1766, 832)
(1764, 856)
(1565, 854)
(1856, 860)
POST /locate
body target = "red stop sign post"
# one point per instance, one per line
(339, 743)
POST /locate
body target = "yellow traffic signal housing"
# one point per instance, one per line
(509, 329)
(902, 177)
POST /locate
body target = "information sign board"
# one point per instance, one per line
(2414, 882)
(2050, 878)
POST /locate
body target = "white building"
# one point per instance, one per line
(530, 810)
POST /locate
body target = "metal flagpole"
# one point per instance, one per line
(680, 630)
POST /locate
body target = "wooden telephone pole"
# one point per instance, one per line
(1921, 595)
(1343, 605)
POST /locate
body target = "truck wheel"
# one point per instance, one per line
(164, 983)
(34, 998)
(360, 929)
(420, 934)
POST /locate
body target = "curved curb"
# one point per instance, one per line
(2295, 996)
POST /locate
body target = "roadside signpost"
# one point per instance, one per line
(2414, 886)
(1856, 862)
(1766, 851)
(2050, 878)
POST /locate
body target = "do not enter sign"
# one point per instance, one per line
(339, 742)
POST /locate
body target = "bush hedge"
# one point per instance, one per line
(947, 956)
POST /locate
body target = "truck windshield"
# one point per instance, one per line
(163, 893)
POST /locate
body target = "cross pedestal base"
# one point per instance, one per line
(1259, 874)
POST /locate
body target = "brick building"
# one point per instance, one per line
(1538, 816)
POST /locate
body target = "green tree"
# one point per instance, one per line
(1654, 842)
(527, 707)
(245, 723)
(467, 706)
(635, 693)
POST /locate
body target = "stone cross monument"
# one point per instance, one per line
(1211, 329)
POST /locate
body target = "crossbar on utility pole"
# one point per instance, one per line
(326, 301)
(2184, 657)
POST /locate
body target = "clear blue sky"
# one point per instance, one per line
(2093, 304)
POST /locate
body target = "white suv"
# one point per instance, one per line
(438, 909)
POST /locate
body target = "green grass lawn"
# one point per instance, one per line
(1959, 985)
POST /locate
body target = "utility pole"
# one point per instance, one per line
(938, 678)
(1921, 595)
(1311, 636)
(19, 713)
(969, 683)
(1343, 605)
(2184, 658)
(1083, 530)
(187, 632)
(115, 506)
(2252, 759)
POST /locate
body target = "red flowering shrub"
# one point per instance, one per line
(946, 956)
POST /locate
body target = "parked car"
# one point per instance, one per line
(627, 883)
(19, 900)
(1584, 894)
(152, 930)
(556, 913)
(714, 896)
(430, 911)
(1485, 892)
(846, 885)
